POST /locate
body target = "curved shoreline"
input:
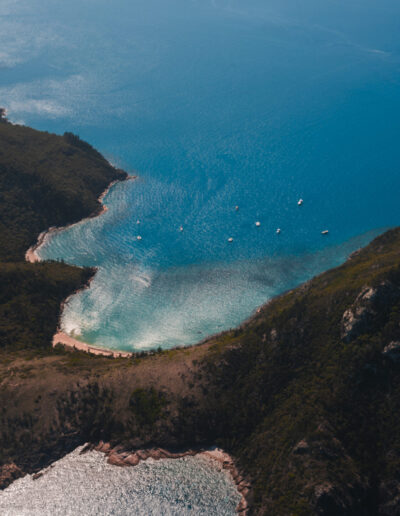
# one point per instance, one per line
(32, 256)
(69, 342)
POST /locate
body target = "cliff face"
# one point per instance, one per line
(305, 396)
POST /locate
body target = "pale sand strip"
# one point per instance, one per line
(69, 342)
(31, 254)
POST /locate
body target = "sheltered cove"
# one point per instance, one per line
(118, 456)
(296, 395)
(31, 255)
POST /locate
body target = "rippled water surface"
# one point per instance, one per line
(213, 103)
(88, 486)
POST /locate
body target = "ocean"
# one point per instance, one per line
(212, 104)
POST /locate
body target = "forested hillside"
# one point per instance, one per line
(305, 396)
(45, 180)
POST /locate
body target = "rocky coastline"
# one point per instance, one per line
(123, 457)
(119, 456)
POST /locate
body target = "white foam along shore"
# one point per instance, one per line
(32, 256)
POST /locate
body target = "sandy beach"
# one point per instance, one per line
(71, 343)
(31, 256)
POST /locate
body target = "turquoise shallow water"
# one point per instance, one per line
(213, 103)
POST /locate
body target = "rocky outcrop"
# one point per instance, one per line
(359, 318)
(118, 456)
(301, 447)
(355, 319)
(392, 351)
(9, 473)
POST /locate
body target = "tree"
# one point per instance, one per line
(3, 115)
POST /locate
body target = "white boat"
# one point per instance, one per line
(300, 202)
(230, 239)
(138, 222)
(180, 228)
(138, 237)
(278, 231)
(258, 223)
(324, 232)
(236, 208)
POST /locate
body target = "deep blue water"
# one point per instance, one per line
(213, 104)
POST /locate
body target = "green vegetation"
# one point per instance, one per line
(313, 415)
(30, 297)
(45, 180)
(305, 396)
(147, 405)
